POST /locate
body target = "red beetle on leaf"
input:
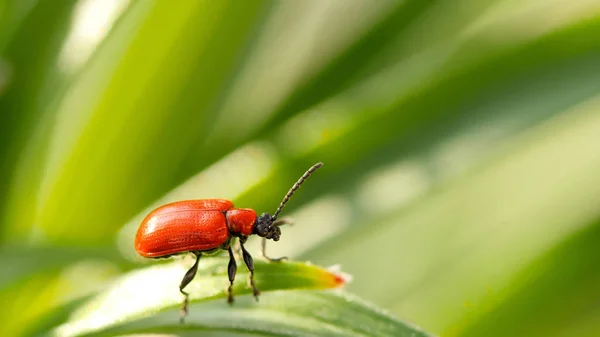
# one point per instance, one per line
(205, 226)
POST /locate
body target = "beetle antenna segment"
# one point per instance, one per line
(294, 188)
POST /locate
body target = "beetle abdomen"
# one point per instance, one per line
(168, 232)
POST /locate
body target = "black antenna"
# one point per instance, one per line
(294, 188)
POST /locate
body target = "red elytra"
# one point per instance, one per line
(204, 226)
(192, 225)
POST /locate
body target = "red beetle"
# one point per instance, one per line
(206, 226)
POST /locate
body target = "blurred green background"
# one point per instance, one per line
(461, 142)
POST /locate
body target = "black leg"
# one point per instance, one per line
(250, 264)
(284, 221)
(263, 245)
(187, 278)
(231, 270)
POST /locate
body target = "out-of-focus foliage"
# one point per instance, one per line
(461, 142)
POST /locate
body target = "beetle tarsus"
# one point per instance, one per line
(183, 312)
(187, 278)
(276, 260)
(231, 270)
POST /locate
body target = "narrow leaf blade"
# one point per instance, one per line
(144, 292)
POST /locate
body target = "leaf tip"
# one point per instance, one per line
(340, 278)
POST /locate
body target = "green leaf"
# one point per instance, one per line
(285, 313)
(42, 285)
(23, 263)
(148, 300)
(29, 71)
(460, 142)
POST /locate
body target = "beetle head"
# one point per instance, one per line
(265, 228)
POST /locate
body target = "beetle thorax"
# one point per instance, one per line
(241, 221)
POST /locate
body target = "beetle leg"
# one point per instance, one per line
(263, 246)
(284, 221)
(187, 278)
(231, 270)
(250, 264)
(238, 250)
